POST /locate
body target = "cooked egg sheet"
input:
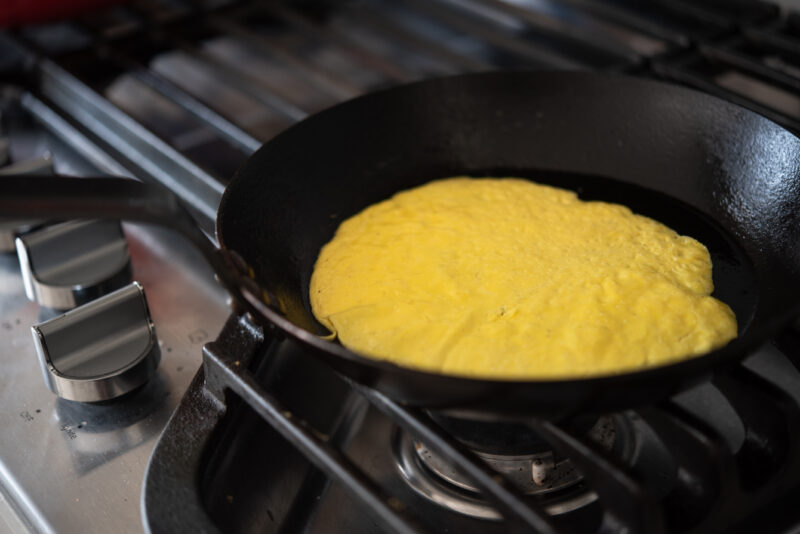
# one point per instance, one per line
(505, 278)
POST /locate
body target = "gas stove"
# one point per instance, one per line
(230, 428)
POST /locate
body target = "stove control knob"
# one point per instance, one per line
(101, 350)
(69, 264)
(10, 229)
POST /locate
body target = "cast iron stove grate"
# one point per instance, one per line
(713, 487)
(182, 92)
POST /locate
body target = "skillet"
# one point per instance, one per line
(706, 168)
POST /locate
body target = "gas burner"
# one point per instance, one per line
(542, 474)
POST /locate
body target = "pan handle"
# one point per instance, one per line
(61, 197)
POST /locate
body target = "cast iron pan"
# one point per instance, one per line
(704, 167)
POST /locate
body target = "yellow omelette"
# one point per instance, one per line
(505, 278)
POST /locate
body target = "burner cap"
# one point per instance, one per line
(540, 473)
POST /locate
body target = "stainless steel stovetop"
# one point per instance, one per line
(74, 467)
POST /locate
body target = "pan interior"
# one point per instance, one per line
(733, 276)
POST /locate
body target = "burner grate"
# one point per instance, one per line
(180, 93)
(711, 489)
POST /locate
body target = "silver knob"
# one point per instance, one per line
(100, 350)
(9, 229)
(72, 263)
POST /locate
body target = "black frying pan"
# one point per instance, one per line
(704, 167)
